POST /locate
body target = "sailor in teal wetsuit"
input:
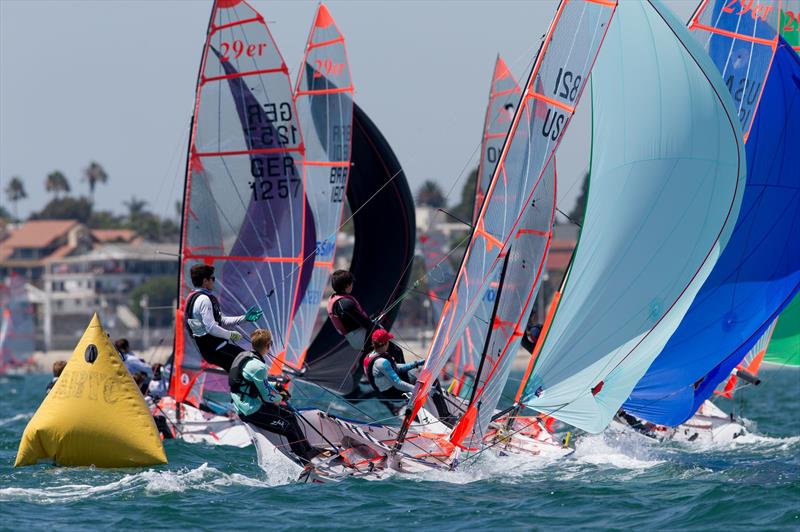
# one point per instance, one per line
(259, 403)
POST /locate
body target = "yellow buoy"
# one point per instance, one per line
(94, 415)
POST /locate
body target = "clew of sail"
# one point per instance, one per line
(784, 346)
(324, 100)
(244, 197)
(665, 192)
(556, 82)
(759, 271)
(751, 364)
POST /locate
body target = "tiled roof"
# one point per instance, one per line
(37, 233)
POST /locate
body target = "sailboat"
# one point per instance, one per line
(667, 170)
(324, 99)
(17, 337)
(759, 271)
(535, 131)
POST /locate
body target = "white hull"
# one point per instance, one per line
(197, 426)
(355, 450)
(709, 425)
(531, 440)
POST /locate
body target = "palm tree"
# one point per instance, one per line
(94, 174)
(56, 183)
(431, 194)
(15, 192)
(135, 207)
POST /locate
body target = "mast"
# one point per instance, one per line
(324, 99)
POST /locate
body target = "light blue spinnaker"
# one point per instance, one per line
(667, 171)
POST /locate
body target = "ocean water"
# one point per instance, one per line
(608, 483)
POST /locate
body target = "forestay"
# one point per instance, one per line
(324, 100)
(556, 82)
(759, 270)
(244, 196)
(667, 172)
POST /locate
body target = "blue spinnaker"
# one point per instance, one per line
(758, 272)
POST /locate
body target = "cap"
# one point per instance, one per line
(381, 337)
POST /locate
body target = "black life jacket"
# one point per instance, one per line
(369, 363)
(237, 382)
(188, 310)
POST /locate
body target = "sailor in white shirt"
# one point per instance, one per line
(206, 323)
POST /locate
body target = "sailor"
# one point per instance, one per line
(346, 313)
(532, 332)
(58, 368)
(259, 403)
(205, 320)
(133, 363)
(159, 384)
(390, 380)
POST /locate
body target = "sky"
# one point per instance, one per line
(113, 82)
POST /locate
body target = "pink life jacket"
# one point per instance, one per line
(335, 320)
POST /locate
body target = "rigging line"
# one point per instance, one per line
(568, 217)
(391, 304)
(333, 235)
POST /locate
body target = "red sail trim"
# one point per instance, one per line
(734, 35)
(504, 93)
(311, 45)
(338, 90)
(297, 259)
(342, 164)
(283, 69)
(608, 3)
(547, 234)
(262, 151)
(538, 96)
(215, 29)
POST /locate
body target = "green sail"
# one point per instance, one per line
(784, 347)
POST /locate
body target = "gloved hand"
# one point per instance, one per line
(235, 336)
(419, 363)
(254, 313)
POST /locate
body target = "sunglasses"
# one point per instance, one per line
(213, 278)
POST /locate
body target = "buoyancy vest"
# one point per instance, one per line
(369, 364)
(337, 320)
(236, 380)
(188, 309)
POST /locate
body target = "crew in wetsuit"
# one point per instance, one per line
(58, 369)
(346, 313)
(205, 321)
(532, 332)
(259, 403)
(389, 379)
